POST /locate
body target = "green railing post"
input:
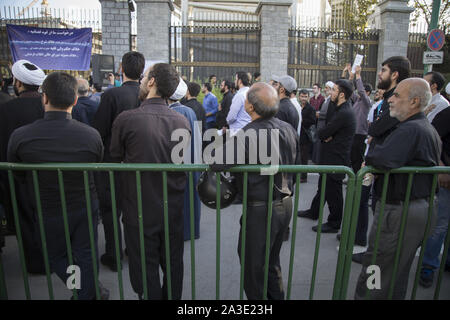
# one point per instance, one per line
(116, 232)
(191, 211)
(166, 236)
(93, 242)
(350, 216)
(318, 234)
(427, 232)
(218, 193)
(12, 188)
(243, 234)
(268, 229)
(66, 224)
(141, 234)
(294, 233)
(42, 233)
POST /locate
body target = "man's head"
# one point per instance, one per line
(97, 87)
(393, 70)
(193, 89)
(83, 88)
(257, 76)
(342, 91)
(206, 88)
(225, 86)
(27, 76)
(411, 96)
(241, 80)
(59, 91)
(262, 101)
(328, 86)
(212, 80)
(303, 96)
(378, 95)
(284, 85)
(160, 81)
(133, 64)
(316, 88)
(436, 81)
(368, 88)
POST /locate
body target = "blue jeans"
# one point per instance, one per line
(436, 239)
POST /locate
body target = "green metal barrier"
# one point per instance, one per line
(349, 221)
(350, 225)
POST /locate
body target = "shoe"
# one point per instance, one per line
(104, 293)
(109, 261)
(357, 257)
(356, 249)
(338, 237)
(447, 268)
(326, 228)
(306, 214)
(426, 277)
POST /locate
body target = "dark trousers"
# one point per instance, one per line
(363, 217)
(81, 247)
(357, 152)
(211, 125)
(334, 198)
(255, 248)
(304, 157)
(104, 196)
(155, 257)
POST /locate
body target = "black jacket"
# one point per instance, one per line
(221, 116)
(341, 127)
(308, 119)
(288, 113)
(85, 109)
(414, 142)
(198, 109)
(112, 103)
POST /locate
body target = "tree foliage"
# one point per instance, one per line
(357, 13)
(423, 8)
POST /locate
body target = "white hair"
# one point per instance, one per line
(420, 88)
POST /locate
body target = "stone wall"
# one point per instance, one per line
(116, 27)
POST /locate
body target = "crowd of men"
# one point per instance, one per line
(57, 118)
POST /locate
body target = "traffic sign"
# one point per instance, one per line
(433, 57)
(436, 39)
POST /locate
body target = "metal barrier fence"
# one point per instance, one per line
(165, 168)
(343, 263)
(350, 225)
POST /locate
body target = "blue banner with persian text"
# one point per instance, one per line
(51, 48)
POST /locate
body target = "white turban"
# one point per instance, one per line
(180, 92)
(329, 84)
(28, 73)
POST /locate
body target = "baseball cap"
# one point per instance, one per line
(287, 82)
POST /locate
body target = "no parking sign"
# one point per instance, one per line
(436, 39)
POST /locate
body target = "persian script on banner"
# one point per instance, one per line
(51, 48)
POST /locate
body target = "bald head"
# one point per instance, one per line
(264, 99)
(83, 87)
(411, 96)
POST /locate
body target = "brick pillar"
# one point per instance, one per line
(116, 27)
(153, 22)
(392, 18)
(275, 22)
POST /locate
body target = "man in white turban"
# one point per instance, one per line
(16, 113)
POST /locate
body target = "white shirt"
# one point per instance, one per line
(374, 106)
(299, 110)
(237, 116)
(440, 102)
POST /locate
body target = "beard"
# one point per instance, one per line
(334, 100)
(143, 93)
(384, 84)
(16, 91)
(222, 90)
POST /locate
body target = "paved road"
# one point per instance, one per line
(205, 262)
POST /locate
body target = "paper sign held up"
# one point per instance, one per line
(357, 62)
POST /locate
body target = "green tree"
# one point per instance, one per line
(357, 13)
(424, 9)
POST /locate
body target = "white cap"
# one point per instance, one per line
(28, 73)
(329, 84)
(180, 92)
